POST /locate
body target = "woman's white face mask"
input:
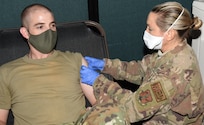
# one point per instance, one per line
(155, 42)
(152, 42)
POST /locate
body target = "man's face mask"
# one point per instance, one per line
(155, 42)
(44, 42)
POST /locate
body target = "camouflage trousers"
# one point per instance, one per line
(104, 114)
(107, 110)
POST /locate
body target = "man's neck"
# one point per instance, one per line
(39, 55)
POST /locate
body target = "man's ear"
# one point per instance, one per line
(24, 32)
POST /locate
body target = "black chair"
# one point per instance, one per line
(86, 37)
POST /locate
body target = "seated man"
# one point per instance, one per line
(43, 87)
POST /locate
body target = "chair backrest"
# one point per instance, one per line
(86, 37)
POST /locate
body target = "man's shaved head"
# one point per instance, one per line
(30, 9)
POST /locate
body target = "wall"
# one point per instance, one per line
(64, 10)
(124, 22)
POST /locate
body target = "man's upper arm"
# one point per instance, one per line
(3, 116)
(88, 90)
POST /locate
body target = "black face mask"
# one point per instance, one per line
(44, 42)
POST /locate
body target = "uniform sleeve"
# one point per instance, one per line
(121, 70)
(149, 99)
(142, 104)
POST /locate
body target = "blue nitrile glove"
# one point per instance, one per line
(88, 76)
(94, 63)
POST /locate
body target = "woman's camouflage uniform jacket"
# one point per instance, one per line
(171, 91)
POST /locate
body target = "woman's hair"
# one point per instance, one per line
(169, 11)
(29, 9)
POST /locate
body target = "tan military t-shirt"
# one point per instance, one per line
(44, 91)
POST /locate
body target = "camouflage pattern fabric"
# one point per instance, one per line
(171, 91)
(104, 114)
(107, 110)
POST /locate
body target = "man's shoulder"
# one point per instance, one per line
(13, 62)
(69, 53)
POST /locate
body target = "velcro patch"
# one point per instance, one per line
(158, 92)
(145, 96)
(150, 96)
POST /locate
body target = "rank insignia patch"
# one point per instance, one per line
(145, 96)
(158, 92)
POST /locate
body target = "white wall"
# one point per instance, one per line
(198, 44)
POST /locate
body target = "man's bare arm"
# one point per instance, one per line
(3, 116)
(88, 90)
